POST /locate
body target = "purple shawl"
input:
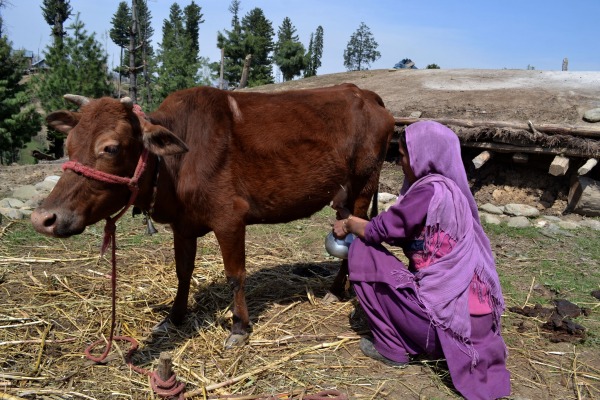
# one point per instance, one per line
(442, 287)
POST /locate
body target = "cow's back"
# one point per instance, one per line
(287, 154)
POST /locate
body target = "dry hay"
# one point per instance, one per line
(55, 300)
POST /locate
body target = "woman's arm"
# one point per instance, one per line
(402, 220)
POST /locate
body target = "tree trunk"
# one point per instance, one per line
(132, 50)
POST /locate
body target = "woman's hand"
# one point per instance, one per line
(338, 228)
(349, 224)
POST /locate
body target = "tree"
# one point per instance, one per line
(145, 58)
(289, 52)
(78, 65)
(19, 121)
(56, 12)
(315, 52)
(178, 57)
(361, 50)
(257, 34)
(3, 3)
(193, 17)
(119, 33)
(432, 66)
(252, 36)
(231, 43)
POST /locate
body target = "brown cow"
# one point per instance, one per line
(219, 161)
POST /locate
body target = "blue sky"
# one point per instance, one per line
(485, 34)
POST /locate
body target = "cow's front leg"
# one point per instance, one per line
(185, 254)
(232, 245)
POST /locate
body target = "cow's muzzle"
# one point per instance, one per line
(51, 224)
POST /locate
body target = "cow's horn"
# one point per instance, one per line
(77, 99)
(127, 102)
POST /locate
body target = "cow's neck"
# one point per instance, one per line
(158, 192)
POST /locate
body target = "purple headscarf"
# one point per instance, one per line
(443, 287)
(434, 153)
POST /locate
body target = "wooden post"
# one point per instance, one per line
(481, 159)
(587, 167)
(559, 166)
(245, 71)
(221, 82)
(164, 368)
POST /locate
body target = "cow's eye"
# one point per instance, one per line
(111, 150)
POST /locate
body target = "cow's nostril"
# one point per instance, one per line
(49, 221)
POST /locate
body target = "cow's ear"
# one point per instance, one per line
(62, 121)
(161, 141)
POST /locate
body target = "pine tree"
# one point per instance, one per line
(56, 12)
(258, 42)
(179, 64)
(232, 44)
(193, 19)
(361, 50)
(132, 32)
(289, 52)
(315, 52)
(119, 33)
(145, 62)
(19, 121)
(76, 66)
(3, 3)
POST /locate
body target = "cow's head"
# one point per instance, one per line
(107, 136)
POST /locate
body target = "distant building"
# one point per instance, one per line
(37, 66)
(407, 63)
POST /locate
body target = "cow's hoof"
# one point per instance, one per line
(330, 298)
(163, 326)
(236, 340)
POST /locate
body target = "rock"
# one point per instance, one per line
(592, 115)
(385, 198)
(568, 225)
(11, 203)
(521, 210)
(11, 213)
(25, 192)
(551, 218)
(491, 209)
(52, 178)
(490, 218)
(45, 186)
(591, 223)
(518, 222)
